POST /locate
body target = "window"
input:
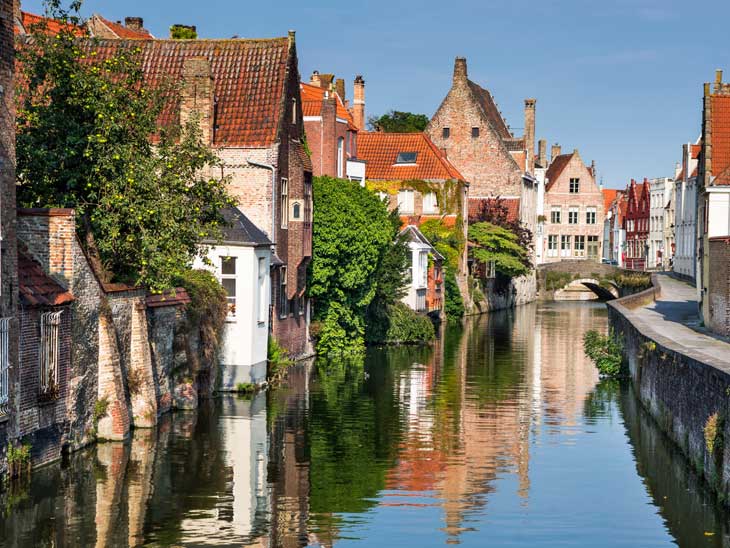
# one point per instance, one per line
(49, 351)
(430, 203)
(552, 246)
(565, 246)
(296, 211)
(446, 132)
(263, 304)
(228, 281)
(574, 186)
(422, 280)
(573, 216)
(284, 203)
(555, 215)
(474, 132)
(307, 199)
(405, 201)
(406, 158)
(4, 363)
(293, 110)
(283, 297)
(593, 247)
(340, 157)
(579, 250)
(591, 215)
(301, 305)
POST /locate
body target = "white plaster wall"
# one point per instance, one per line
(685, 215)
(718, 212)
(414, 285)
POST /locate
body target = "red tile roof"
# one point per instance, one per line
(312, 97)
(511, 205)
(380, 151)
(609, 195)
(37, 288)
(556, 168)
(175, 297)
(485, 101)
(720, 138)
(29, 20)
(249, 79)
(120, 31)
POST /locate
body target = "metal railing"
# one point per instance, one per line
(49, 351)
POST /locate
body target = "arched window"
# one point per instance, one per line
(296, 210)
(340, 158)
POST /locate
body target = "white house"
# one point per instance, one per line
(417, 296)
(241, 262)
(660, 194)
(685, 213)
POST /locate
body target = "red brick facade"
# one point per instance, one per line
(719, 286)
(637, 225)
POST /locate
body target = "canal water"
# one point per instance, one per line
(501, 434)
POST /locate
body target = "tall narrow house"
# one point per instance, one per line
(246, 96)
(470, 130)
(8, 245)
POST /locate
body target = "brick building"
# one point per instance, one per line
(574, 210)
(247, 95)
(470, 130)
(8, 245)
(330, 127)
(638, 213)
(713, 206)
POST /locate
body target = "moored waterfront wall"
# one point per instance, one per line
(687, 393)
(498, 294)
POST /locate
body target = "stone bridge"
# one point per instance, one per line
(578, 280)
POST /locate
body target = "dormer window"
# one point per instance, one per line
(406, 158)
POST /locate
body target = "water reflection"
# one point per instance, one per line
(499, 433)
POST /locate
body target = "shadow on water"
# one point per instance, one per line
(500, 431)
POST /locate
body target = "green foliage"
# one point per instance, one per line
(557, 280)
(404, 326)
(604, 351)
(713, 433)
(245, 388)
(449, 242)
(18, 454)
(183, 32)
(84, 140)
(632, 280)
(495, 243)
(396, 121)
(100, 408)
(353, 262)
(278, 359)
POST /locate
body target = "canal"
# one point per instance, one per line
(501, 434)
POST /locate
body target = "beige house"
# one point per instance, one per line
(574, 210)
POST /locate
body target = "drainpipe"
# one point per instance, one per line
(273, 195)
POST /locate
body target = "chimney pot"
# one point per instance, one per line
(314, 79)
(555, 152)
(340, 88)
(460, 72)
(718, 76)
(134, 23)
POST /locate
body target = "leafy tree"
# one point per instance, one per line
(85, 130)
(449, 242)
(496, 212)
(183, 32)
(353, 234)
(396, 121)
(494, 243)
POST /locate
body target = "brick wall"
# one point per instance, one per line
(719, 286)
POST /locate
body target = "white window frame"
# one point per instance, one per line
(552, 245)
(340, 157)
(231, 300)
(422, 269)
(565, 251)
(591, 215)
(49, 352)
(283, 296)
(263, 308)
(406, 201)
(556, 211)
(284, 203)
(4, 364)
(576, 181)
(579, 246)
(430, 203)
(573, 215)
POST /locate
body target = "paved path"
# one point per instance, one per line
(675, 316)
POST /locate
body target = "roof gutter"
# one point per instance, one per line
(273, 196)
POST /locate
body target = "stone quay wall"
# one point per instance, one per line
(686, 393)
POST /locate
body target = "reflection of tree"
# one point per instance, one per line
(601, 401)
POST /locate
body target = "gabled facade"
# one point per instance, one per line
(247, 96)
(713, 208)
(617, 236)
(685, 213)
(574, 210)
(475, 138)
(425, 291)
(637, 225)
(131, 29)
(661, 191)
(330, 128)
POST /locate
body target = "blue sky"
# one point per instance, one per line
(621, 80)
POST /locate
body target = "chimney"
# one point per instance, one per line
(340, 88)
(542, 153)
(314, 79)
(358, 102)
(530, 132)
(328, 137)
(196, 96)
(16, 11)
(460, 74)
(593, 168)
(325, 81)
(134, 23)
(554, 152)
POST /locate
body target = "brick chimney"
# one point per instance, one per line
(554, 152)
(542, 153)
(340, 88)
(325, 81)
(460, 74)
(358, 102)
(593, 168)
(530, 132)
(16, 11)
(314, 79)
(134, 23)
(328, 147)
(196, 96)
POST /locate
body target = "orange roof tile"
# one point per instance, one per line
(29, 21)
(37, 288)
(720, 136)
(249, 79)
(124, 32)
(380, 151)
(609, 195)
(312, 97)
